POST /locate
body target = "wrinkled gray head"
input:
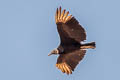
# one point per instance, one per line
(55, 52)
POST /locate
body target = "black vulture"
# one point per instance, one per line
(71, 51)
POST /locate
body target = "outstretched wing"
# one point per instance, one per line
(69, 29)
(67, 62)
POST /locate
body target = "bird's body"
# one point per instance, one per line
(70, 50)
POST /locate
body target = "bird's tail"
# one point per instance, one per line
(91, 45)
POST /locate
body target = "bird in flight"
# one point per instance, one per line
(71, 51)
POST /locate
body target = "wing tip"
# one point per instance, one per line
(64, 68)
(62, 16)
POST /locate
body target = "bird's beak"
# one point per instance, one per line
(50, 54)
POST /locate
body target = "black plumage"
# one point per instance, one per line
(70, 50)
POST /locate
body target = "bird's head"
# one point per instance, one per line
(55, 52)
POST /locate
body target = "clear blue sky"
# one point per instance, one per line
(28, 33)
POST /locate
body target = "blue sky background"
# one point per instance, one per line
(28, 33)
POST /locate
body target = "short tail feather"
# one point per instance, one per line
(91, 45)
